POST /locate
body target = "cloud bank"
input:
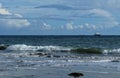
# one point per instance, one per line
(12, 19)
(57, 15)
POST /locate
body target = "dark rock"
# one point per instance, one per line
(115, 61)
(3, 47)
(49, 56)
(76, 74)
(56, 56)
(40, 50)
(40, 54)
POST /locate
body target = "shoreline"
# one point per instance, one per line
(60, 72)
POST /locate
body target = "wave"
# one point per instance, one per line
(37, 48)
(24, 47)
(51, 48)
(112, 51)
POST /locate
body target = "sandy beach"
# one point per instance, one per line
(89, 71)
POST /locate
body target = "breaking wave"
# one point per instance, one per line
(111, 51)
(37, 48)
(24, 47)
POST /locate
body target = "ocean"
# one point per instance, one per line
(56, 56)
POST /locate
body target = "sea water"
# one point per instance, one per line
(25, 56)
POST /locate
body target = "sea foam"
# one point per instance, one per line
(37, 48)
(51, 48)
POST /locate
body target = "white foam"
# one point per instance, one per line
(24, 47)
(111, 51)
(96, 72)
(34, 48)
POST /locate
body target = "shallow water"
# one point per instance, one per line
(19, 64)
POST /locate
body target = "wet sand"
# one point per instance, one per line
(58, 72)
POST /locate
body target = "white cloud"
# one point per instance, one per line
(46, 26)
(94, 27)
(101, 12)
(4, 11)
(18, 15)
(17, 23)
(8, 19)
(82, 8)
(110, 20)
(80, 26)
(69, 26)
(89, 26)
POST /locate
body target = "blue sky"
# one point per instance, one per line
(59, 17)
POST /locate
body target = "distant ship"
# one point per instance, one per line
(97, 34)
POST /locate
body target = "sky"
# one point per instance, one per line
(59, 17)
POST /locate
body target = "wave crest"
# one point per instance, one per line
(51, 48)
(37, 48)
(111, 51)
